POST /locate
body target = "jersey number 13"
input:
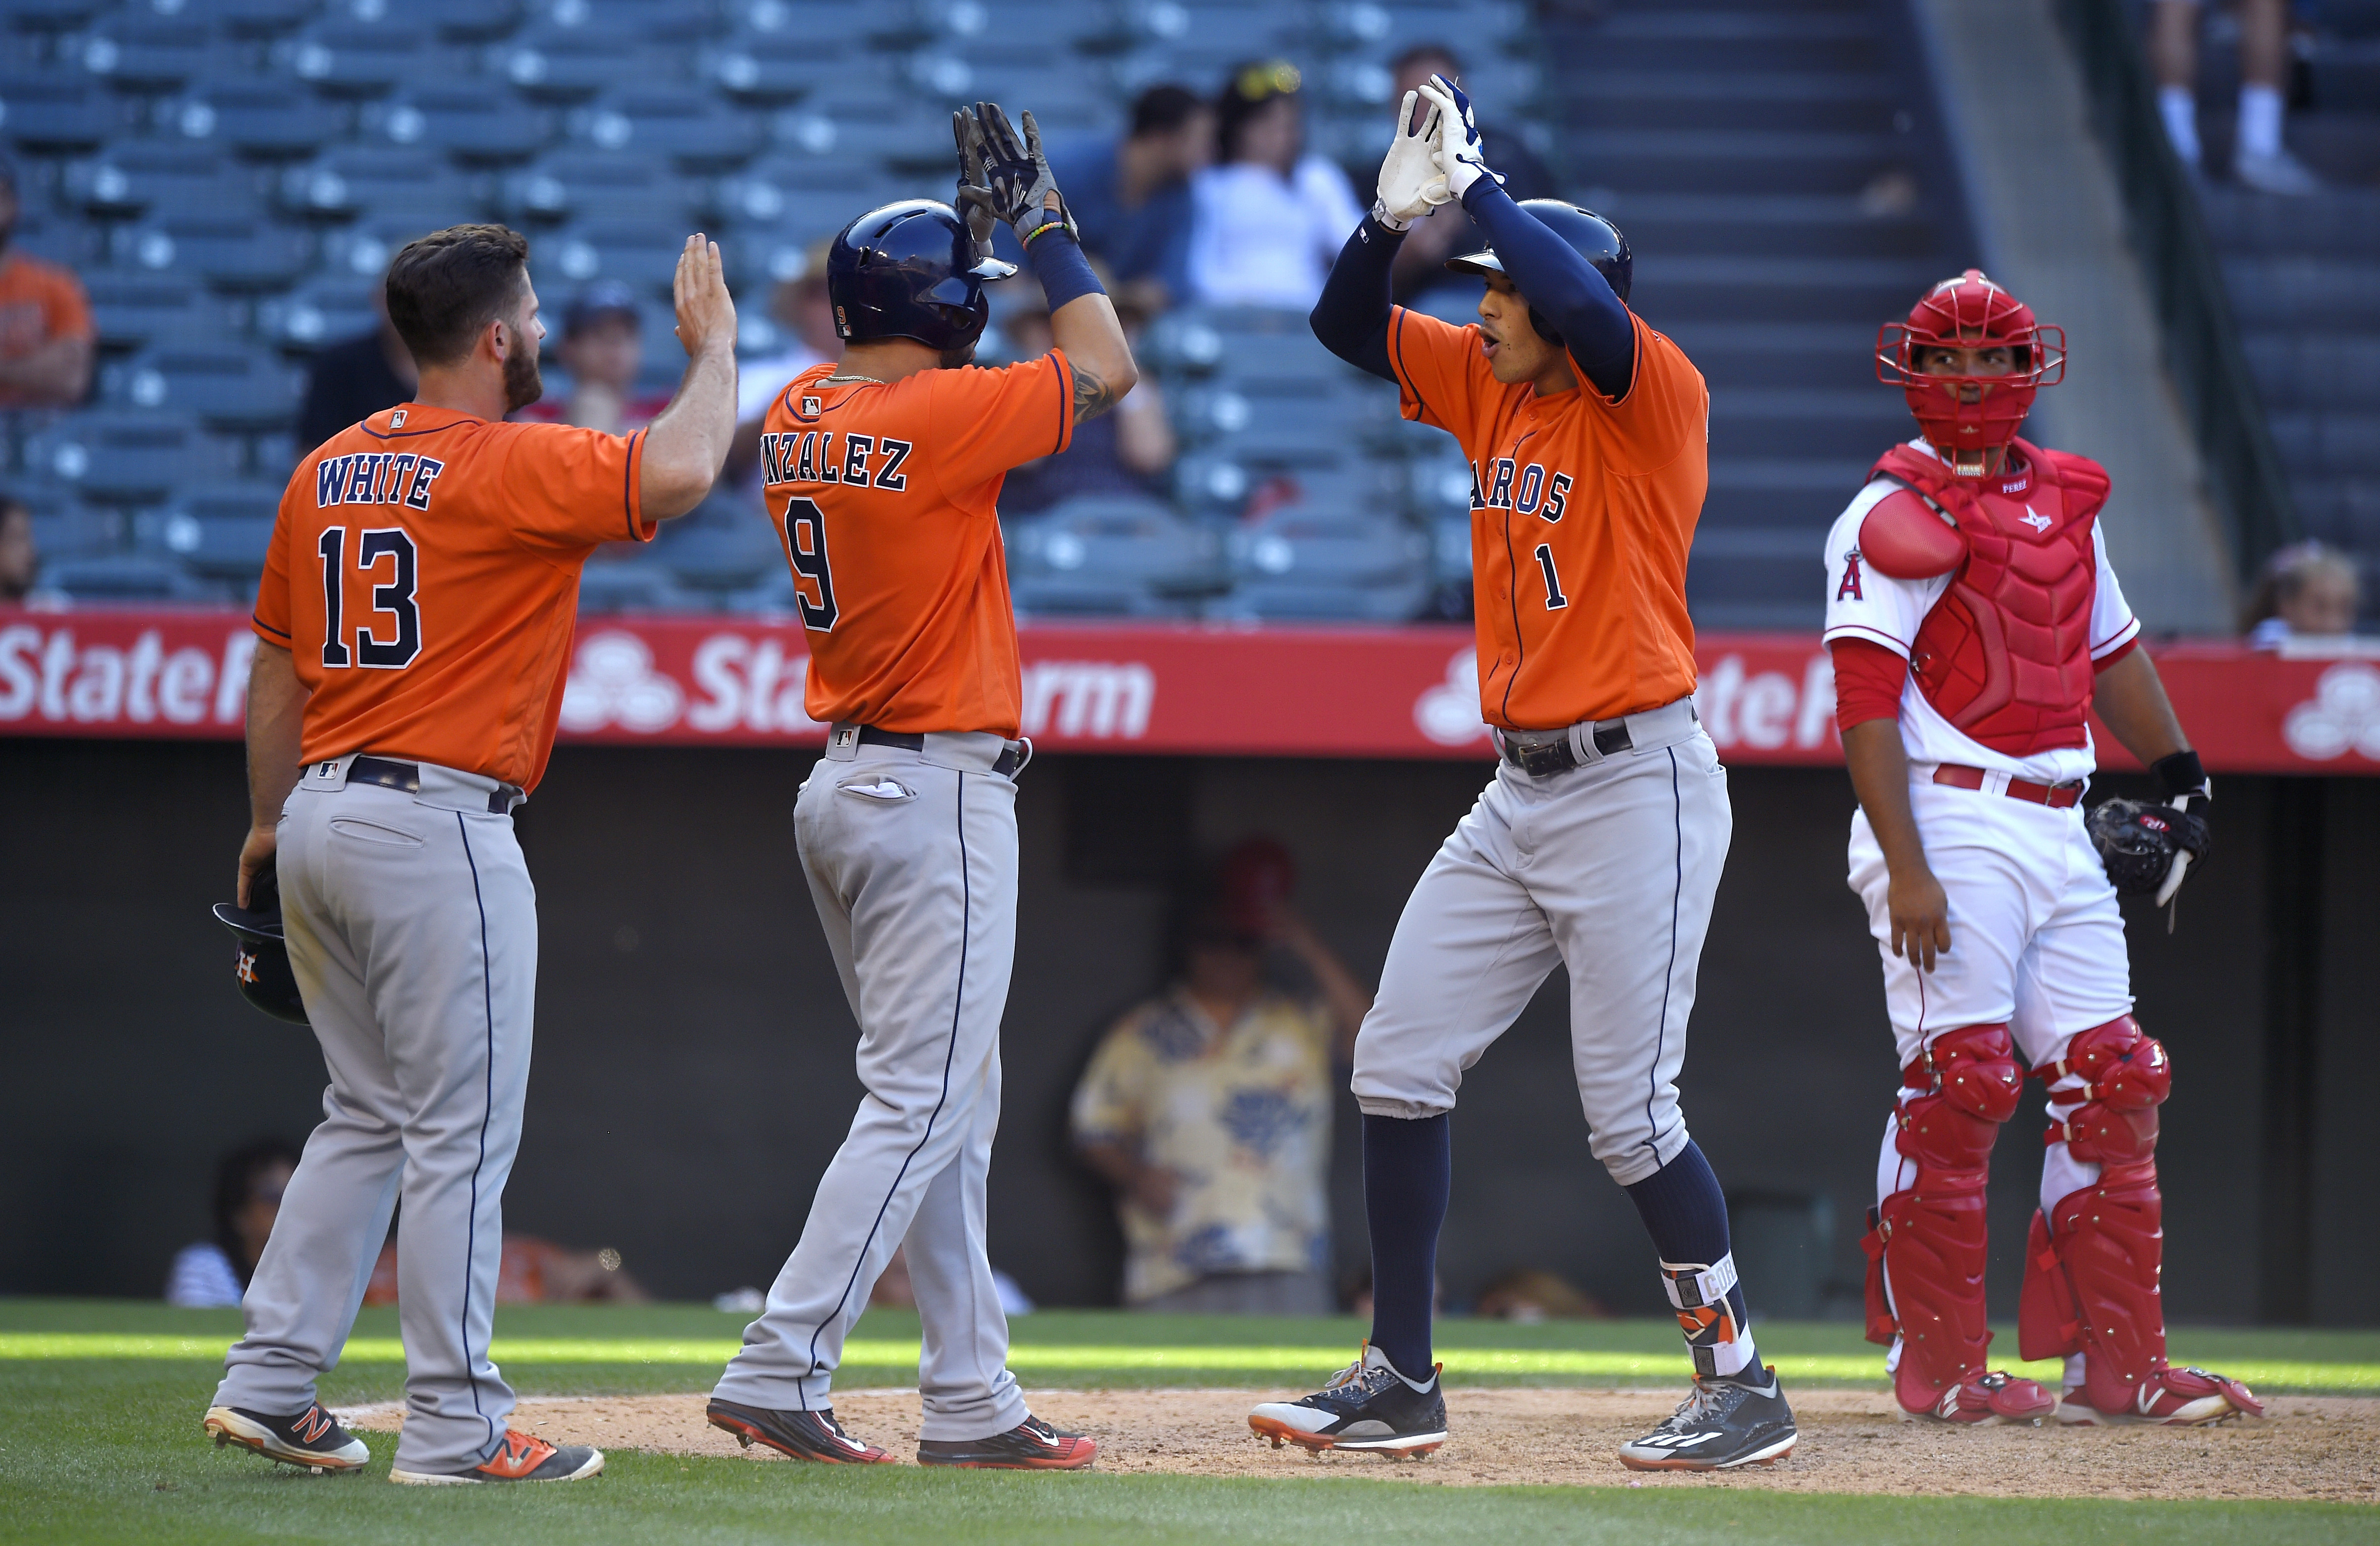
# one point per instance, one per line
(389, 545)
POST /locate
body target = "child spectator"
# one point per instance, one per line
(248, 1183)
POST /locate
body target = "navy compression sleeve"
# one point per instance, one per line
(1563, 286)
(1352, 318)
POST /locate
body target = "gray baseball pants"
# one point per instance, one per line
(1609, 869)
(912, 860)
(412, 930)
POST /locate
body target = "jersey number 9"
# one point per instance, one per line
(806, 550)
(394, 598)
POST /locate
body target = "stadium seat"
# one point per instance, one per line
(240, 18)
(224, 388)
(691, 128)
(640, 254)
(608, 585)
(727, 545)
(219, 531)
(388, 183)
(230, 253)
(1309, 562)
(1126, 556)
(136, 309)
(52, 16)
(265, 122)
(131, 178)
(51, 113)
(145, 56)
(470, 124)
(464, 20)
(325, 312)
(578, 184)
(114, 458)
(62, 528)
(806, 192)
(773, 70)
(357, 59)
(131, 579)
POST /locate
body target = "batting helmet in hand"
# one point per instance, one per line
(910, 270)
(262, 968)
(1586, 233)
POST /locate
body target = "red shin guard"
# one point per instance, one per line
(1930, 1238)
(2091, 1264)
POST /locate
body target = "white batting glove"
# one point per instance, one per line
(1457, 141)
(1411, 184)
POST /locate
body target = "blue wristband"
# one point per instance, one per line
(1059, 263)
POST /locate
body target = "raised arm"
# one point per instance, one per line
(1352, 317)
(1560, 285)
(688, 443)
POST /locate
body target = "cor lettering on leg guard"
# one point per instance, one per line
(1720, 1345)
(1926, 1252)
(2093, 1261)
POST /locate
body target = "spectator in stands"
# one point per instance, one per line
(248, 1183)
(1131, 197)
(604, 348)
(2259, 159)
(350, 382)
(46, 327)
(1421, 261)
(20, 561)
(533, 1272)
(2307, 590)
(1126, 452)
(1208, 1108)
(799, 305)
(1266, 219)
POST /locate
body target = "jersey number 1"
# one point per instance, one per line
(396, 598)
(1555, 600)
(806, 550)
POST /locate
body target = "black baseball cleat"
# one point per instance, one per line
(1725, 1423)
(519, 1458)
(312, 1438)
(803, 1436)
(1031, 1446)
(1368, 1406)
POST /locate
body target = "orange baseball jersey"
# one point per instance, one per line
(40, 303)
(884, 497)
(1581, 512)
(423, 574)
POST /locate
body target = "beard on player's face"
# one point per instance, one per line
(523, 385)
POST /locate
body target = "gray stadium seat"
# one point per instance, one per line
(134, 311)
(393, 184)
(325, 312)
(219, 531)
(129, 578)
(579, 184)
(728, 546)
(464, 21)
(51, 112)
(1107, 555)
(356, 59)
(469, 123)
(773, 70)
(1306, 562)
(691, 128)
(230, 253)
(243, 18)
(640, 254)
(807, 191)
(131, 178)
(224, 388)
(116, 457)
(629, 585)
(264, 121)
(146, 55)
(52, 16)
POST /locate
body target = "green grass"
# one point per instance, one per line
(98, 1405)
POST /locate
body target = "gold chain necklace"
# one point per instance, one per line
(838, 377)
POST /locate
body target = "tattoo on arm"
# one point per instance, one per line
(1093, 396)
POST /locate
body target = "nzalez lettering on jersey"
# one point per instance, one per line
(810, 456)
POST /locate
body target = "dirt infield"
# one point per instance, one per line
(2323, 1447)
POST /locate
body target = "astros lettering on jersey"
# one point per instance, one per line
(883, 497)
(1581, 512)
(423, 574)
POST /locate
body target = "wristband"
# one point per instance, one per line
(2181, 773)
(1387, 222)
(1058, 261)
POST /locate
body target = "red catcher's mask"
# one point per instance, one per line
(1970, 313)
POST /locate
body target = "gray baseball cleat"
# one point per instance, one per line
(1723, 1424)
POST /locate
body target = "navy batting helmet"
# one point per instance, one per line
(262, 968)
(1588, 233)
(910, 270)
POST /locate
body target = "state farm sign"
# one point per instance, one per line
(1175, 689)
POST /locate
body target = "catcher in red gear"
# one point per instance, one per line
(1975, 623)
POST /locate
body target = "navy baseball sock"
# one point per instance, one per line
(1685, 1213)
(1408, 1169)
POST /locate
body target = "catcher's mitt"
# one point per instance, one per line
(2137, 841)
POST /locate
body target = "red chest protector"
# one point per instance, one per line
(2005, 656)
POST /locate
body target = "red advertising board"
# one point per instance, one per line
(1271, 691)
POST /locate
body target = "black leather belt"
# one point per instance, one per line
(1006, 765)
(405, 779)
(1544, 758)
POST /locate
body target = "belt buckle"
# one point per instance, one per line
(1543, 759)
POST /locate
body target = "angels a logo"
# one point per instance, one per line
(1851, 585)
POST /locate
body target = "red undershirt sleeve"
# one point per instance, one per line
(1868, 680)
(2110, 658)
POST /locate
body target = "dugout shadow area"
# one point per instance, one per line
(694, 1052)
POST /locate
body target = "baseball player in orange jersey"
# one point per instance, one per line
(413, 624)
(881, 474)
(1599, 842)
